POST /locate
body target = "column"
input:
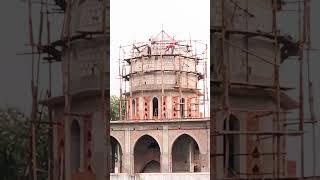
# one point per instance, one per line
(67, 150)
(99, 155)
(126, 154)
(165, 150)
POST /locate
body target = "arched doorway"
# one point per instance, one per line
(151, 166)
(146, 155)
(155, 107)
(116, 156)
(233, 146)
(75, 146)
(185, 155)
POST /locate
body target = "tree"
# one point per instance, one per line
(15, 145)
(114, 107)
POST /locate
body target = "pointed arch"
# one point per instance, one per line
(146, 150)
(75, 146)
(233, 146)
(185, 154)
(155, 107)
(116, 155)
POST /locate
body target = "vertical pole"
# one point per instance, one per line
(120, 97)
(225, 67)
(162, 88)
(67, 97)
(104, 112)
(301, 94)
(276, 84)
(130, 85)
(307, 36)
(204, 85)
(50, 132)
(34, 99)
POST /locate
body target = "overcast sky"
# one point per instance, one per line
(136, 21)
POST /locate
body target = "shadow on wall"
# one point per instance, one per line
(146, 155)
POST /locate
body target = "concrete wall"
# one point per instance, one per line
(87, 16)
(170, 79)
(85, 62)
(165, 133)
(92, 133)
(161, 176)
(249, 122)
(260, 9)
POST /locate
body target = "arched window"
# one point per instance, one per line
(155, 105)
(75, 146)
(233, 146)
(182, 108)
(133, 107)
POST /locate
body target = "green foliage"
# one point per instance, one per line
(114, 108)
(15, 145)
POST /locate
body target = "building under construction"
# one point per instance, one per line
(249, 104)
(163, 130)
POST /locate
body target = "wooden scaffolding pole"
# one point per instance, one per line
(50, 131)
(307, 36)
(162, 88)
(225, 72)
(67, 96)
(301, 93)
(276, 139)
(34, 98)
(104, 101)
(120, 97)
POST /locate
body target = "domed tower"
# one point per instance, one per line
(163, 77)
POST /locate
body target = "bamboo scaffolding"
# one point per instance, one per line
(278, 134)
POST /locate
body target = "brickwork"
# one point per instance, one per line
(253, 146)
(87, 136)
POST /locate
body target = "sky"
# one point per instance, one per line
(128, 24)
(136, 21)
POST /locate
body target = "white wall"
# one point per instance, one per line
(161, 176)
